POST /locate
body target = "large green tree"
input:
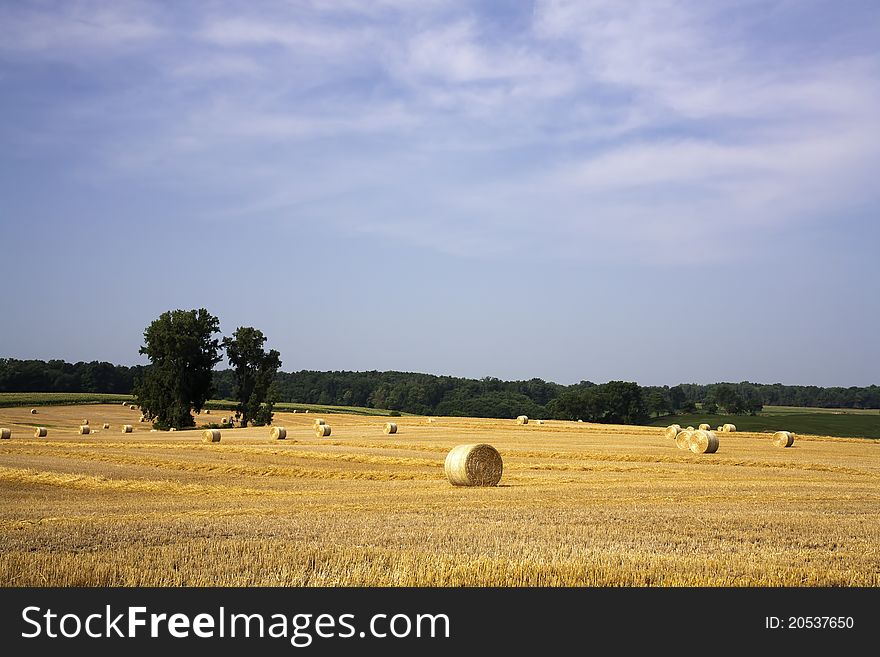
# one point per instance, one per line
(255, 370)
(183, 351)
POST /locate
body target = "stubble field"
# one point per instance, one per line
(578, 505)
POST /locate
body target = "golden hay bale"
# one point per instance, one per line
(126, 428)
(224, 420)
(84, 430)
(671, 431)
(473, 465)
(683, 439)
(703, 442)
(294, 410)
(318, 421)
(41, 432)
(783, 439)
(580, 420)
(173, 429)
(539, 421)
(278, 433)
(211, 436)
(322, 430)
(125, 404)
(522, 419)
(5, 434)
(154, 431)
(390, 427)
(729, 428)
(306, 411)
(84, 422)
(33, 411)
(430, 420)
(106, 426)
(704, 427)
(719, 428)
(690, 429)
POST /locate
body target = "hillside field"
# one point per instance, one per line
(578, 505)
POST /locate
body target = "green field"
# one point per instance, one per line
(844, 423)
(9, 399)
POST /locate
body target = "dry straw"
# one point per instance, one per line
(211, 436)
(704, 427)
(783, 439)
(729, 428)
(473, 465)
(390, 427)
(703, 442)
(127, 428)
(84, 430)
(106, 426)
(522, 419)
(322, 430)
(278, 433)
(5, 434)
(672, 431)
(41, 432)
(683, 439)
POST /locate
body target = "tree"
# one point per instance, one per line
(182, 352)
(255, 370)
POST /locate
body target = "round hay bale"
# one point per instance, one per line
(84, 422)
(5, 434)
(522, 419)
(473, 465)
(207, 412)
(319, 421)
(41, 432)
(143, 418)
(539, 421)
(224, 420)
(672, 431)
(173, 429)
(703, 442)
(125, 404)
(105, 426)
(33, 411)
(690, 429)
(211, 436)
(430, 420)
(127, 428)
(683, 439)
(154, 431)
(390, 427)
(704, 427)
(306, 411)
(84, 430)
(783, 439)
(278, 433)
(580, 420)
(322, 430)
(294, 410)
(719, 428)
(729, 428)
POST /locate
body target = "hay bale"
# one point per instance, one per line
(522, 419)
(322, 430)
(430, 420)
(683, 439)
(207, 412)
(539, 421)
(105, 426)
(704, 427)
(33, 411)
(671, 431)
(154, 431)
(306, 411)
(41, 432)
(126, 428)
(719, 428)
(84, 430)
(690, 429)
(318, 421)
(729, 428)
(278, 433)
(580, 420)
(224, 420)
(84, 422)
(143, 418)
(390, 427)
(473, 465)
(783, 439)
(5, 434)
(125, 404)
(173, 429)
(211, 436)
(703, 442)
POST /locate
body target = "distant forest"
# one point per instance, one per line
(427, 394)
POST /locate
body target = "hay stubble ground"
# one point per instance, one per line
(578, 504)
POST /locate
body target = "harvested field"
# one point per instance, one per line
(578, 504)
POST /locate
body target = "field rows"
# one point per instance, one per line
(578, 504)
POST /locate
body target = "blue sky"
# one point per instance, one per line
(661, 192)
